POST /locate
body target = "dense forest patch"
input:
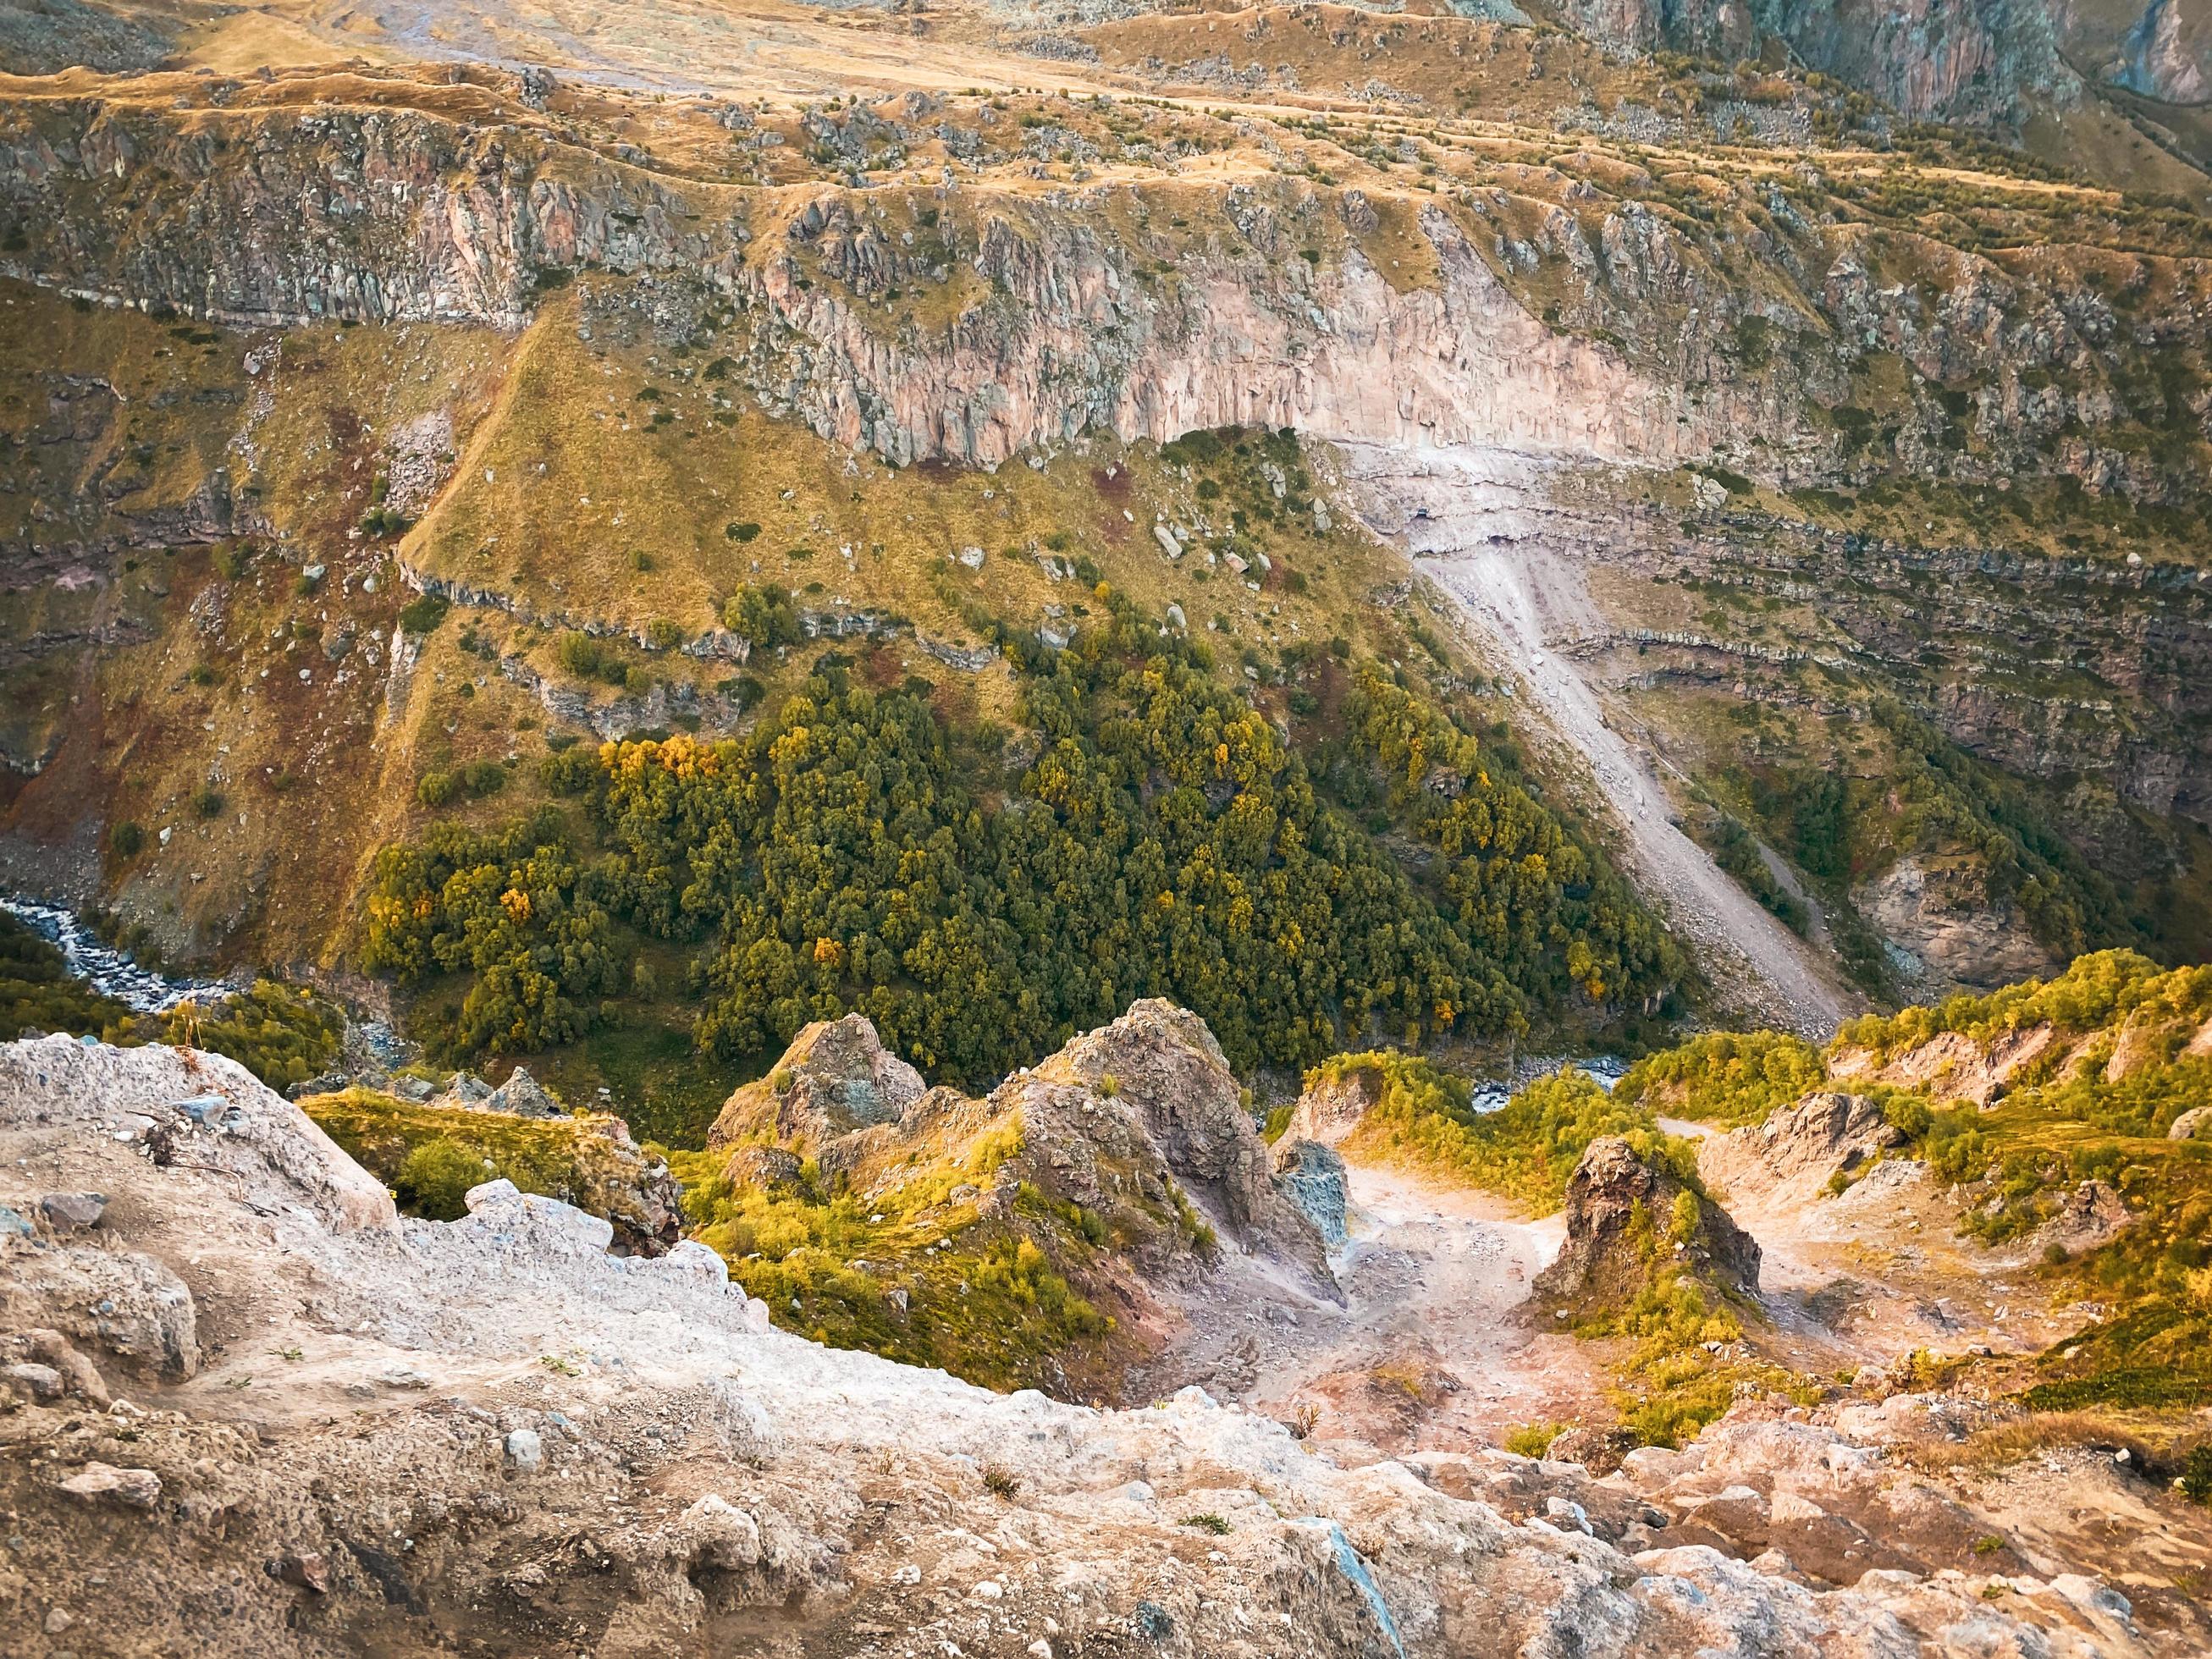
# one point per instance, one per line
(1144, 833)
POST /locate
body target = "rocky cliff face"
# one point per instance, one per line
(971, 321)
(401, 215)
(1972, 60)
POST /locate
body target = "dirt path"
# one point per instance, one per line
(1481, 524)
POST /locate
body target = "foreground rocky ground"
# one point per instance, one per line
(253, 1410)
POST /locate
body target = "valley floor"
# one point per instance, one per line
(1434, 1347)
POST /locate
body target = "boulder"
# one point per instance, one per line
(1599, 1451)
(2194, 1124)
(2091, 1215)
(533, 1223)
(43, 1384)
(1615, 1199)
(97, 1482)
(718, 1534)
(71, 1212)
(117, 1302)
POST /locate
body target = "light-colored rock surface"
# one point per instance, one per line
(691, 1466)
(1954, 931)
(1794, 1153)
(836, 1076)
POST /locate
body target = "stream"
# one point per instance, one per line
(107, 969)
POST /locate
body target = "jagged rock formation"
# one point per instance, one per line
(1798, 1150)
(490, 1432)
(1162, 1061)
(1139, 1125)
(1622, 1222)
(834, 1077)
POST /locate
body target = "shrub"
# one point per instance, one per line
(581, 656)
(741, 532)
(1725, 1077)
(484, 777)
(762, 615)
(569, 771)
(434, 1179)
(422, 614)
(127, 839)
(2196, 1481)
(663, 635)
(1534, 1439)
(437, 789)
(207, 801)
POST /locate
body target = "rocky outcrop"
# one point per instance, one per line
(1958, 60)
(1953, 937)
(2092, 1215)
(1162, 1062)
(1332, 1109)
(834, 1077)
(1952, 1065)
(1794, 1154)
(577, 1452)
(1623, 1222)
(1139, 1125)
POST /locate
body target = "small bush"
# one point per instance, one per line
(2196, 1481)
(127, 839)
(741, 532)
(763, 615)
(422, 615)
(435, 1176)
(569, 772)
(484, 777)
(663, 635)
(437, 789)
(1534, 1439)
(208, 802)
